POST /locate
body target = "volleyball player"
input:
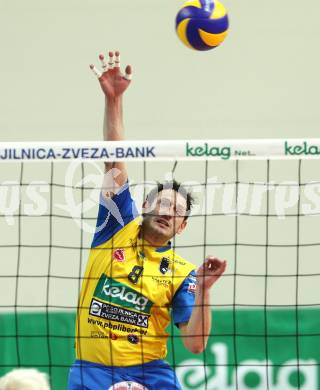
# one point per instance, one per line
(134, 281)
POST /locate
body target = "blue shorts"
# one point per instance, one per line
(155, 375)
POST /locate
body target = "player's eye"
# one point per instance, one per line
(180, 212)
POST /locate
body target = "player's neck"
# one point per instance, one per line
(152, 239)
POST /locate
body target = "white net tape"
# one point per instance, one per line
(162, 150)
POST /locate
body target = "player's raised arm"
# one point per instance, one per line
(196, 332)
(113, 84)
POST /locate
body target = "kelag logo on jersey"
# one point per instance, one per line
(112, 291)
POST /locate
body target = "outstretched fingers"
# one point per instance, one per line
(128, 73)
(117, 60)
(104, 64)
(128, 70)
(111, 60)
(113, 63)
(95, 71)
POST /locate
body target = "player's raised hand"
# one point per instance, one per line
(113, 83)
(210, 271)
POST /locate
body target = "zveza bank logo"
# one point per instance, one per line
(118, 314)
(112, 291)
(208, 151)
(95, 308)
(305, 149)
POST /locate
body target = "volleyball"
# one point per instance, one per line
(202, 24)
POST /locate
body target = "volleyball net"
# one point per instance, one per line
(258, 206)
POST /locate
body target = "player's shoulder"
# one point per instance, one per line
(123, 236)
(133, 226)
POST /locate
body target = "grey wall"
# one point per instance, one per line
(263, 81)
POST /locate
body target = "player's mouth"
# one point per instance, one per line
(162, 222)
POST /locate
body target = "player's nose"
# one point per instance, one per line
(166, 212)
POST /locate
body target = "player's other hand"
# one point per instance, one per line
(113, 83)
(210, 271)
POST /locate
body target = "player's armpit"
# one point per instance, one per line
(182, 325)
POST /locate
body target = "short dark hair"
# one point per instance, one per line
(175, 186)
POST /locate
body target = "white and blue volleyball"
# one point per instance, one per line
(202, 24)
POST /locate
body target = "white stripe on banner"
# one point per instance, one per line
(162, 150)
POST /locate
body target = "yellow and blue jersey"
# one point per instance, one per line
(129, 291)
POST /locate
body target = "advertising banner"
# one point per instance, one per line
(276, 349)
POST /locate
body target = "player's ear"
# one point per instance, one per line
(146, 207)
(182, 227)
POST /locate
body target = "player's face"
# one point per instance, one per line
(166, 215)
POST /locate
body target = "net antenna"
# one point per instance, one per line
(174, 168)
